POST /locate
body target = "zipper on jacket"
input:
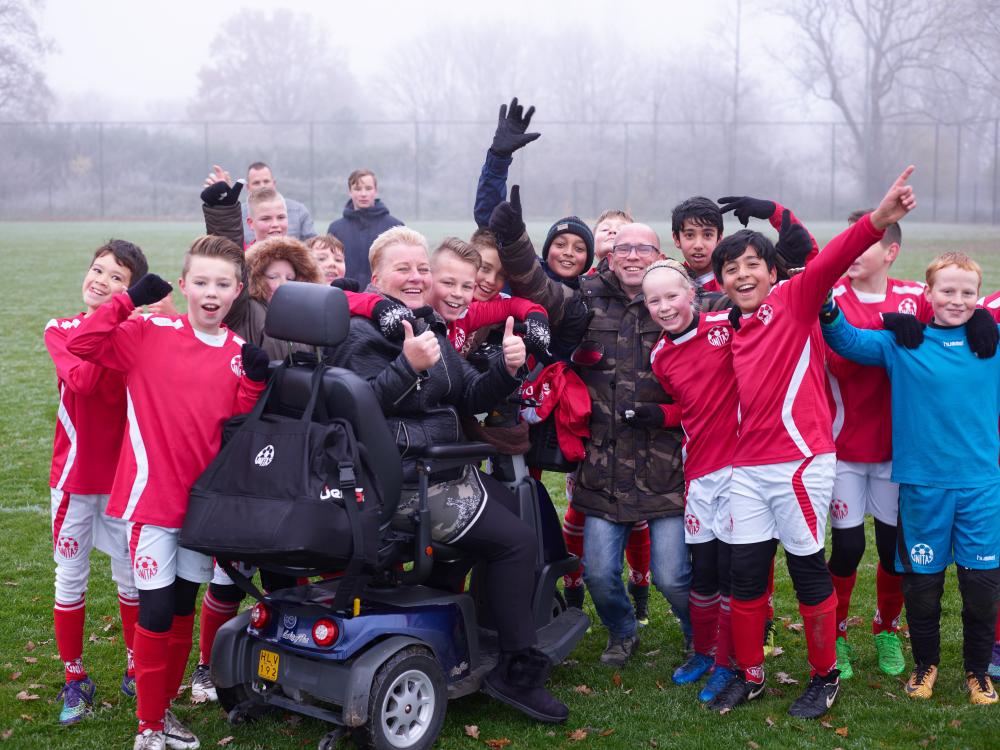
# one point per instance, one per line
(613, 440)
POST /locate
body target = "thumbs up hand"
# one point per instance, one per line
(423, 351)
(514, 353)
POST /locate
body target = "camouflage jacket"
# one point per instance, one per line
(628, 474)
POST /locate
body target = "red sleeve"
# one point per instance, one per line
(79, 376)
(805, 293)
(362, 304)
(108, 337)
(247, 394)
(497, 310)
(671, 415)
(776, 223)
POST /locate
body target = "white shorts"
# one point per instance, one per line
(864, 488)
(80, 524)
(221, 578)
(788, 501)
(157, 560)
(706, 507)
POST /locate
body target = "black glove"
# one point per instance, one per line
(735, 317)
(572, 328)
(829, 311)
(149, 289)
(908, 329)
(222, 194)
(389, 314)
(794, 242)
(982, 334)
(647, 416)
(255, 362)
(536, 333)
(347, 284)
(506, 221)
(744, 208)
(511, 127)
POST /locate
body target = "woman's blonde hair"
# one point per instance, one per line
(395, 236)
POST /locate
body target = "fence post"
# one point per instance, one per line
(958, 169)
(312, 168)
(100, 161)
(937, 142)
(833, 170)
(625, 165)
(416, 168)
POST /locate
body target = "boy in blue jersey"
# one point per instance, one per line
(945, 405)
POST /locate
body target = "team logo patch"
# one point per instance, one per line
(908, 307)
(922, 554)
(839, 509)
(146, 567)
(765, 313)
(718, 336)
(236, 365)
(692, 524)
(265, 457)
(67, 547)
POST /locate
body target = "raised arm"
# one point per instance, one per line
(107, 337)
(79, 376)
(510, 135)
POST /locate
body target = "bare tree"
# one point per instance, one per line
(863, 56)
(274, 66)
(24, 93)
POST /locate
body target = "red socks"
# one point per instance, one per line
(179, 648)
(129, 611)
(637, 554)
(151, 667)
(843, 586)
(821, 634)
(889, 598)
(748, 636)
(214, 614)
(68, 620)
(724, 639)
(704, 622)
(573, 536)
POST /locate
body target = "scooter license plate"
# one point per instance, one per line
(267, 665)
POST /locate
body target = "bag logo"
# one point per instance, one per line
(265, 457)
(328, 494)
(922, 554)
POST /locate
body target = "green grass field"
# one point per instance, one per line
(638, 708)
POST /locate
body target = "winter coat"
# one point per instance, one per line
(421, 408)
(357, 230)
(226, 221)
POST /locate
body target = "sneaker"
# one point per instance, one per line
(981, 690)
(149, 740)
(820, 694)
(693, 669)
(176, 735)
(994, 668)
(770, 633)
(890, 653)
(202, 687)
(921, 682)
(640, 596)
(619, 650)
(844, 654)
(737, 691)
(78, 697)
(128, 685)
(574, 596)
(719, 678)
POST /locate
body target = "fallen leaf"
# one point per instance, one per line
(471, 730)
(753, 745)
(629, 692)
(29, 646)
(550, 733)
(891, 695)
(659, 685)
(225, 741)
(35, 686)
(955, 723)
(617, 679)
(606, 732)
(108, 627)
(654, 652)
(93, 638)
(30, 660)
(784, 679)
(498, 744)
(777, 651)
(854, 620)
(653, 743)
(24, 695)
(795, 627)
(725, 711)
(27, 717)
(14, 676)
(826, 725)
(5, 735)
(776, 692)
(875, 685)
(577, 735)
(10, 583)
(106, 704)
(583, 690)
(842, 731)
(769, 721)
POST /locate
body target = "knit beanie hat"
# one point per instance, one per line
(571, 225)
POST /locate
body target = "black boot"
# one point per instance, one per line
(640, 595)
(574, 596)
(519, 681)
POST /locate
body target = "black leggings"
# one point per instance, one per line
(158, 607)
(751, 564)
(849, 547)
(705, 574)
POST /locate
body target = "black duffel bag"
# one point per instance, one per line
(286, 491)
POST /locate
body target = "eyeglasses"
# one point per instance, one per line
(643, 251)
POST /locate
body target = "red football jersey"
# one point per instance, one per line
(180, 386)
(696, 370)
(90, 420)
(859, 396)
(778, 358)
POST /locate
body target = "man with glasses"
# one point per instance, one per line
(630, 473)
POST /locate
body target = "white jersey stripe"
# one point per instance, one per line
(838, 402)
(70, 429)
(141, 462)
(793, 390)
(908, 288)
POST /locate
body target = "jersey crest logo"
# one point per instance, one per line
(236, 365)
(692, 524)
(839, 509)
(459, 338)
(146, 567)
(265, 456)
(718, 336)
(67, 547)
(922, 554)
(765, 313)
(908, 307)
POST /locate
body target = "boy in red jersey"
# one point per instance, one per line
(784, 461)
(89, 428)
(184, 376)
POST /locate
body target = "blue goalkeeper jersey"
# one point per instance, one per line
(945, 403)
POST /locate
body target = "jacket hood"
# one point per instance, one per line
(280, 248)
(375, 211)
